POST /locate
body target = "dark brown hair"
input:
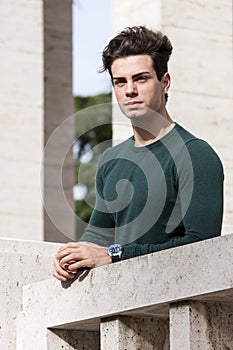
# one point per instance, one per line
(139, 40)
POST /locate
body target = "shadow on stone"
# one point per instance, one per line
(80, 276)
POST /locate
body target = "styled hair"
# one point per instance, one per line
(139, 40)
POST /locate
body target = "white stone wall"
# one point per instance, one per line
(201, 68)
(21, 118)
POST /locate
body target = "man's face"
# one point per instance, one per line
(136, 86)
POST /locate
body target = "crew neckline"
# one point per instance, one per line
(156, 143)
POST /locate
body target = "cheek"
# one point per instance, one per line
(119, 96)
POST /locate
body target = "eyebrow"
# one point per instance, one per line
(133, 76)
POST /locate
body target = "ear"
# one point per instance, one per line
(166, 81)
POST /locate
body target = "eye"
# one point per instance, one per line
(141, 78)
(119, 82)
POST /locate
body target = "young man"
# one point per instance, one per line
(161, 188)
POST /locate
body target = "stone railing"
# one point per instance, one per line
(179, 299)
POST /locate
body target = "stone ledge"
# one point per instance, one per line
(144, 285)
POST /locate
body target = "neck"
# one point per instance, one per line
(151, 128)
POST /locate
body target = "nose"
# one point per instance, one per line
(131, 89)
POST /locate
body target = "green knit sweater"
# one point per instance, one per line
(156, 197)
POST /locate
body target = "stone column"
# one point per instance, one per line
(124, 332)
(21, 118)
(188, 327)
(58, 127)
(35, 98)
(195, 325)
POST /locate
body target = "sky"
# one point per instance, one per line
(92, 28)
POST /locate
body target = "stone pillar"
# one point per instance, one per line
(220, 324)
(35, 97)
(200, 97)
(195, 325)
(58, 127)
(124, 332)
(21, 118)
(188, 327)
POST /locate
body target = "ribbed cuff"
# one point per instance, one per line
(129, 251)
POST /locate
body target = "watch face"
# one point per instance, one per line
(115, 249)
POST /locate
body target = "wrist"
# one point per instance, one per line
(115, 252)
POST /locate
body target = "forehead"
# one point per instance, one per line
(131, 65)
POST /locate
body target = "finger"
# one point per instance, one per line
(67, 246)
(60, 273)
(69, 259)
(67, 252)
(87, 263)
(88, 244)
(63, 276)
(59, 277)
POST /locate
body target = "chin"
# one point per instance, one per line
(135, 114)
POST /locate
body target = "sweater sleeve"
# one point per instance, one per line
(202, 216)
(101, 227)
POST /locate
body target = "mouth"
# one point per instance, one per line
(133, 104)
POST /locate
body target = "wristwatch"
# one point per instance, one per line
(115, 252)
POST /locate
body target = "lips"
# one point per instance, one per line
(133, 106)
(133, 103)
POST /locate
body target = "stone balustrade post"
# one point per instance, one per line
(125, 332)
(188, 327)
(196, 325)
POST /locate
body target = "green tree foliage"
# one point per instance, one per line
(93, 136)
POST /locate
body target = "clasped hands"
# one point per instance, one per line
(74, 256)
